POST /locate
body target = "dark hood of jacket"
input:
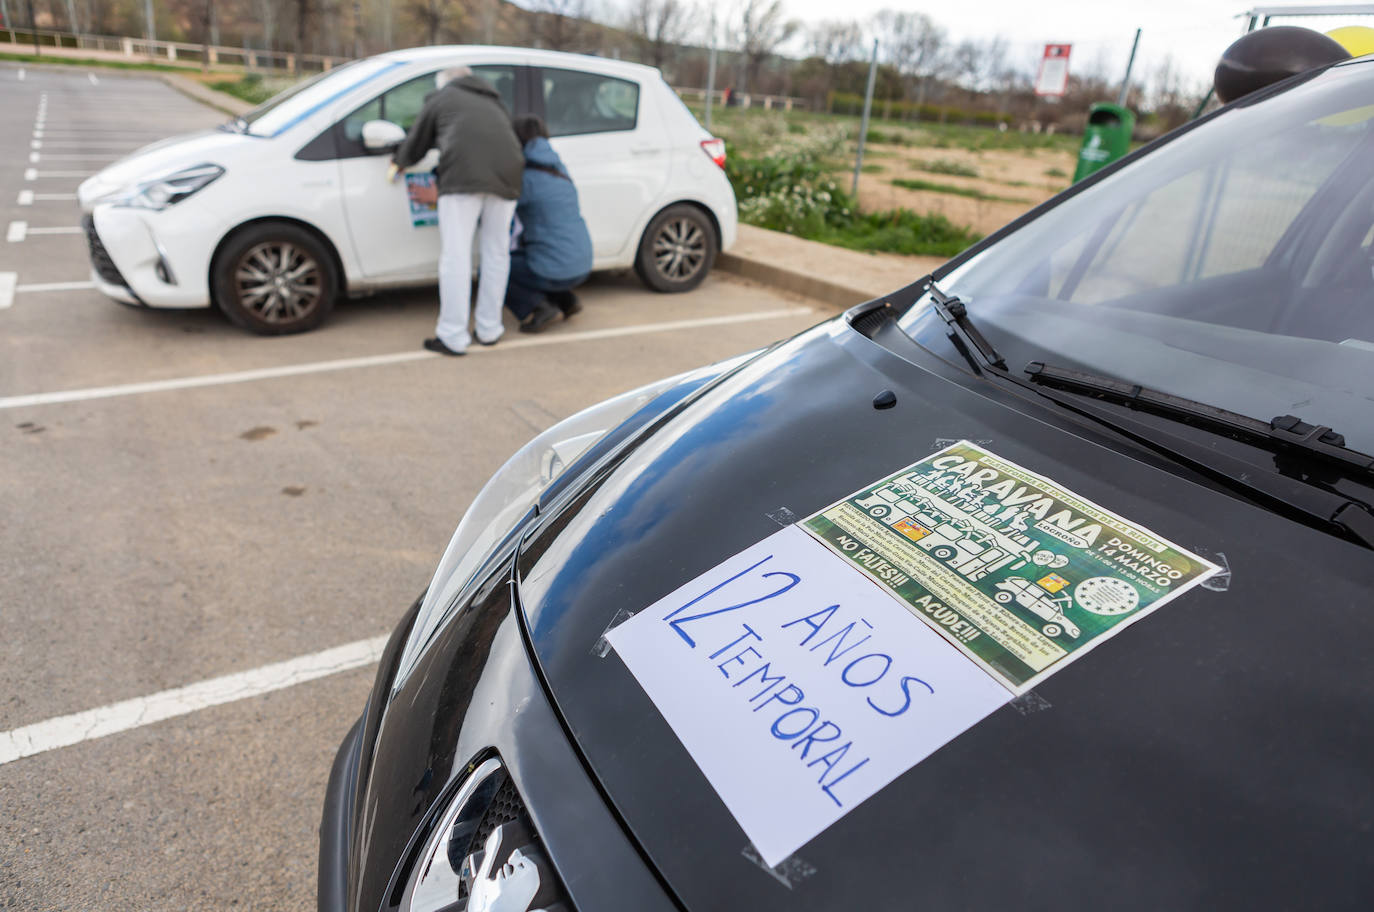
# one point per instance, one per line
(539, 152)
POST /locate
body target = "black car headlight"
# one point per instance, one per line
(515, 489)
(169, 189)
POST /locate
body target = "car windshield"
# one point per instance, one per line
(1232, 265)
(287, 109)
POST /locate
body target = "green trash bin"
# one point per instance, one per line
(1106, 137)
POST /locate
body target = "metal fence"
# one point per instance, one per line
(745, 99)
(173, 52)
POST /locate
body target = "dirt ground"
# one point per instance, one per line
(1018, 177)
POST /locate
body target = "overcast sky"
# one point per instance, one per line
(1195, 32)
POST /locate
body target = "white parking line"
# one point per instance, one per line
(36, 144)
(22, 74)
(17, 231)
(320, 367)
(25, 198)
(34, 158)
(65, 731)
(96, 156)
(65, 144)
(63, 229)
(34, 173)
(91, 77)
(7, 286)
(53, 286)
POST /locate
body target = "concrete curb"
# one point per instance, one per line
(785, 279)
(206, 96)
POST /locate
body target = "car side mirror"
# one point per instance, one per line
(382, 136)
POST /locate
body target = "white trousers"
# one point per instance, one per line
(460, 216)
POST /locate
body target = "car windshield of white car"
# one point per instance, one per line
(281, 112)
(1233, 264)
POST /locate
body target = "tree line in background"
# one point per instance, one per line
(923, 73)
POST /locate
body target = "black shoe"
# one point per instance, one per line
(567, 302)
(543, 314)
(437, 345)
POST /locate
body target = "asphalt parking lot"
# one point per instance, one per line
(206, 533)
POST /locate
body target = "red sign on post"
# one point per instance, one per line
(1053, 77)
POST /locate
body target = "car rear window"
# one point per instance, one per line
(580, 102)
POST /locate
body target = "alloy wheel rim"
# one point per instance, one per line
(680, 249)
(278, 282)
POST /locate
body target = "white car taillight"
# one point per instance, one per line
(715, 150)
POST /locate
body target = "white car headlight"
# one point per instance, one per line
(513, 490)
(168, 190)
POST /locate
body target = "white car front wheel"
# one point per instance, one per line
(274, 278)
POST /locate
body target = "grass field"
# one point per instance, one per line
(793, 171)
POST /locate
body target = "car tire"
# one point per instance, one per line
(1003, 597)
(942, 552)
(1052, 630)
(274, 278)
(677, 250)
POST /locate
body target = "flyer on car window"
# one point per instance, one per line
(1018, 573)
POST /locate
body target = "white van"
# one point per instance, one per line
(274, 215)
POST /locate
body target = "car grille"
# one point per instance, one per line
(100, 257)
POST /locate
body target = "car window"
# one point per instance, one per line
(577, 102)
(401, 104)
(502, 79)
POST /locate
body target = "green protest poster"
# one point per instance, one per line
(1019, 574)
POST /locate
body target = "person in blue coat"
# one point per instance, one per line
(553, 251)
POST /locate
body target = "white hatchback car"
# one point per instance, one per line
(274, 215)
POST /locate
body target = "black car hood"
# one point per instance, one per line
(1214, 754)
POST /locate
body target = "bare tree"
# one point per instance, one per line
(430, 15)
(836, 41)
(913, 44)
(303, 10)
(761, 28)
(558, 24)
(206, 23)
(267, 10)
(657, 26)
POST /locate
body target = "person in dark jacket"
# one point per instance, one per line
(480, 169)
(554, 251)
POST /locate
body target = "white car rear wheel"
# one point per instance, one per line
(677, 250)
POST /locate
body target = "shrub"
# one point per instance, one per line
(948, 166)
(970, 192)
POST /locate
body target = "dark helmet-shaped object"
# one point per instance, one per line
(1265, 56)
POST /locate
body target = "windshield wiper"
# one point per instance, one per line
(1286, 434)
(1287, 431)
(976, 348)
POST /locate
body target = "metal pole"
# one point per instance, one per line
(711, 71)
(152, 23)
(71, 15)
(33, 27)
(5, 13)
(863, 126)
(1130, 62)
